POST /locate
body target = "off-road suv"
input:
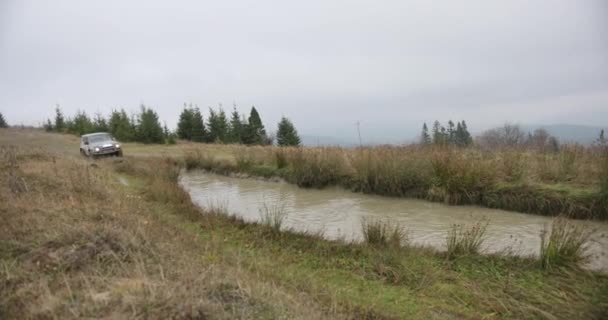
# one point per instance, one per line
(99, 144)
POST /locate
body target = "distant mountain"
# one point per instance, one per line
(569, 132)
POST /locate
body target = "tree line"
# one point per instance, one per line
(456, 135)
(145, 127)
(238, 129)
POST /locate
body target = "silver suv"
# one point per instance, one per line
(99, 144)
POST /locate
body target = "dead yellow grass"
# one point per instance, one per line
(80, 244)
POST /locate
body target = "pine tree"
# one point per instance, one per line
(80, 124)
(184, 125)
(425, 138)
(48, 126)
(467, 139)
(100, 124)
(3, 123)
(254, 131)
(121, 126)
(235, 128)
(223, 125)
(149, 129)
(213, 127)
(197, 126)
(451, 134)
(287, 135)
(59, 120)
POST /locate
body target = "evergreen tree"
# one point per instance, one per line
(287, 135)
(121, 126)
(184, 125)
(59, 120)
(451, 134)
(425, 138)
(254, 131)
(197, 126)
(223, 125)
(218, 126)
(3, 123)
(212, 126)
(149, 129)
(467, 139)
(48, 126)
(100, 124)
(80, 124)
(236, 127)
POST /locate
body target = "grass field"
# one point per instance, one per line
(118, 238)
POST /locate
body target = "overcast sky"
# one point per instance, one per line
(325, 64)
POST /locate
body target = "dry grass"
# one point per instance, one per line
(79, 243)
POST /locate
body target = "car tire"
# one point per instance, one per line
(119, 153)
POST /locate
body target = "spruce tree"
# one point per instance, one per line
(184, 125)
(48, 126)
(222, 122)
(3, 123)
(255, 132)
(235, 128)
(59, 120)
(149, 129)
(121, 126)
(212, 126)
(197, 126)
(467, 139)
(100, 124)
(451, 134)
(287, 135)
(80, 124)
(425, 138)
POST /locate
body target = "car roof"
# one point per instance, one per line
(93, 134)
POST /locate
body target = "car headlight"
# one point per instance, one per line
(96, 149)
(117, 146)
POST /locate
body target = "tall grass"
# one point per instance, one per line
(563, 244)
(382, 232)
(462, 177)
(527, 180)
(466, 240)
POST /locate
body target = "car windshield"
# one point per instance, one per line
(100, 138)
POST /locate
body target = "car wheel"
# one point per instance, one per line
(119, 153)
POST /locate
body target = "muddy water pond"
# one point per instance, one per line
(338, 214)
